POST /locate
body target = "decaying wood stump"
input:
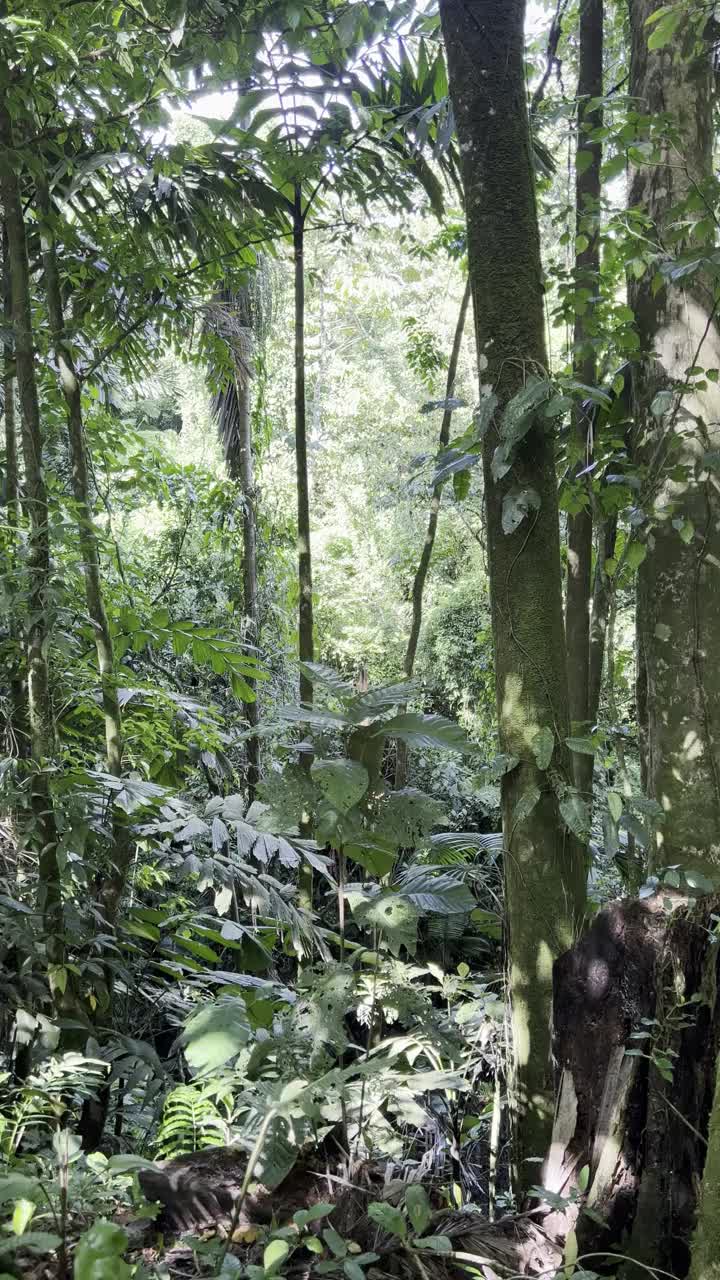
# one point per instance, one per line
(633, 1113)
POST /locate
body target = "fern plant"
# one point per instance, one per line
(191, 1121)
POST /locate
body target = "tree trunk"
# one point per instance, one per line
(544, 864)
(418, 588)
(678, 604)
(305, 600)
(113, 884)
(246, 473)
(587, 272)
(637, 1032)
(305, 605)
(40, 719)
(18, 707)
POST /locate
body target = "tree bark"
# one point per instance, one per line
(305, 600)
(18, 706)
(544, 865)
(37, 632)
(114, 883)
(418, 587)
(678, 605)
(305, 605)
(246, 474)
(637, 1031)
(587, 272)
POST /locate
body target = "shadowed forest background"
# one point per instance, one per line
(360, 532)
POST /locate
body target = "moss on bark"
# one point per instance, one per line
(544, 866)
(678, 610)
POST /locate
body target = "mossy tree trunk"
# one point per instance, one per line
(678, 604)
(544, 864)
(37, 631)
(579, 594)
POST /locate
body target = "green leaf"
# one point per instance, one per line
(525, 805)
(353, 1270)
(275, 1254)
(393, 915)
(575, 813)
(389, 1219)
(335, 1242)
(584, 746)
(636, 553)
(483, 414)
(342, 782)
(662, 404)
(615, 805)
(418, 1208)
(437, 1244)
(665, 29)
(543, 745)
(23, 1213)
(519, 413)
(444, 894)
(517, 504)
(216, 1033)
(99, 1253)
(428, 731)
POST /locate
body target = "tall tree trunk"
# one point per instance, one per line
(114, 882)
(246, 474)
(40, 719)
(305, 604)
(18, 706)
(418, 587)
(305, 600)
(544, 865)
(678, 602)
(587, 271)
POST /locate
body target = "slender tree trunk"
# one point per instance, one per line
(305, 600)
(18, 713)
(587, 271)
(305, 606)
(678, 604)
(40, 719)
(418, 588)
(544, 865)
(113, 884)
(246, 473)
(602, 588)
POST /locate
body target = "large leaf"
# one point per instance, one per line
(343, 783)
(428, 731)
(575, 813)
(444, 893)
(316, 718)
(321, 674)
(519, 412)
(395, 917)
(216, 1033)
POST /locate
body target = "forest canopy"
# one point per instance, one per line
(360, 711)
